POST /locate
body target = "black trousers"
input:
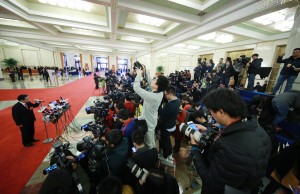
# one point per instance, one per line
(166, 142)
(27, 132)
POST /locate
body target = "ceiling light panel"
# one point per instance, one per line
(136, 39)
(209, 36)
(179, 45)
(192, 47)
(143, 19)
(218, 37)
(71, 4)
(270, 18)
(224, 38)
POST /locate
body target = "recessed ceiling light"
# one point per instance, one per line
(143, 19)
(209, 36)
(179, 45)
(193, 47)
(71, 4)
(224, 38)
(284, 25)
(270, 18)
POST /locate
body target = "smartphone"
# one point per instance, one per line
(50, 169)
(192, 125)
(82, 155)
(133, 149)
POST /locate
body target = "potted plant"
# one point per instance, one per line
(159, 70)
(10, 62)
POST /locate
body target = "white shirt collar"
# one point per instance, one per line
(23, 103)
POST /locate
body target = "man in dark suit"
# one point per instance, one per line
(24, 118)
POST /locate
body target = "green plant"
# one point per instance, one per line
(160, 69)
(10, 62)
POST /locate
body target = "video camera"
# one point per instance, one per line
(95, 151)
(115, 96)
(97, 129)
(59, 157)
(204, 139)
(100, 109)
(245, 59)
(137, 65)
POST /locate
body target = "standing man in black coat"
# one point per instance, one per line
(167, 119)
(239, 154)
(24, 118)
(253, 70)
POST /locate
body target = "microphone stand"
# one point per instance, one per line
(48, 140)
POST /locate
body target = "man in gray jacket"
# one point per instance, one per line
(283, 102)
(151, 104)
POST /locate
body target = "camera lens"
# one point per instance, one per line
(187, 130)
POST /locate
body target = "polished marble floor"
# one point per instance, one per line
(35, 82)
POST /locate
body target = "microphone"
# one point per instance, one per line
(37, 100)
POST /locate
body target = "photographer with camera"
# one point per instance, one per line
(128, 124)
(253, 70)
(97, 80)
(117, 154)
(151, 104)
(226, 72)
(238, 155)
(153, 181)
(214, 81)
(238, 65)
(65, 174)
(111, 80)
(129, 105)
(197, 71)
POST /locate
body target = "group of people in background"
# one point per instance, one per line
(207, 73)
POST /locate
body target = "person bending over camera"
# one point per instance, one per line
(143, 157)
(65, 180)
(117, 154)
(128, 124)
(151, 104)
(113, 185)
(238, 156)
(158, 182)
(201, 118)
(129, 105)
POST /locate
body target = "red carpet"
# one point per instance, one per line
(18, 163)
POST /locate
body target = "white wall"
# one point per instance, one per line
(29, 56)
(171, 62)
(47, 58)
(86, 58)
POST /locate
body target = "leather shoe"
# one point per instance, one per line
(35, 140)
(28, 145)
